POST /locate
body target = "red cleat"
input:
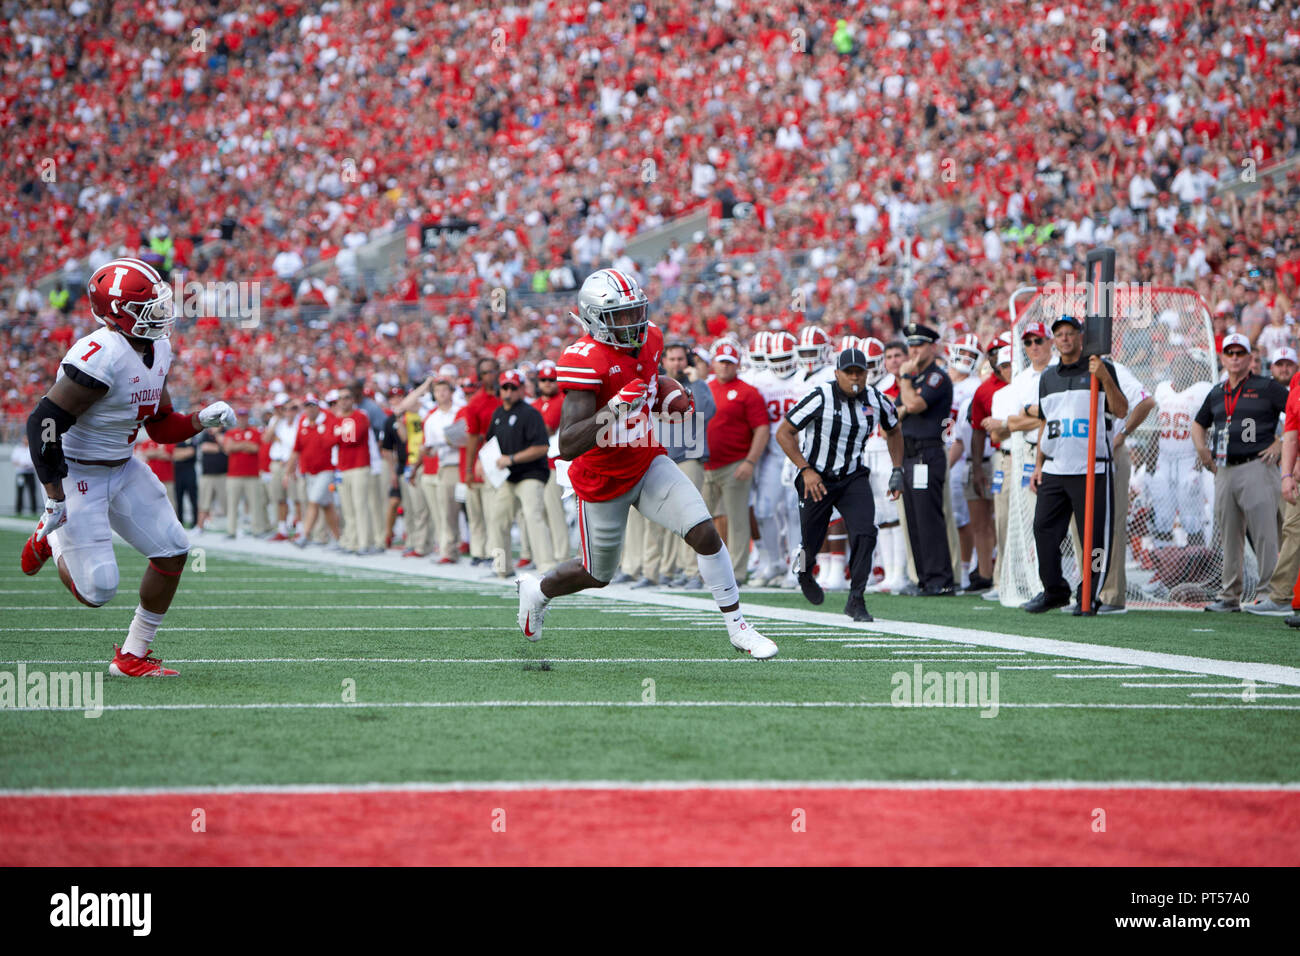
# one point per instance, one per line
(35, 554)
(280, 537)
(412, 553)
(446, 560)
(128, 665)
(523, 563)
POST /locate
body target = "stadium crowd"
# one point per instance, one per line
(528, 145)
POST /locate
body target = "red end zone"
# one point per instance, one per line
(841, 826)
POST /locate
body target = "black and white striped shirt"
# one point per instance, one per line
(835, 427)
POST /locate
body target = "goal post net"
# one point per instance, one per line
(1172, 555)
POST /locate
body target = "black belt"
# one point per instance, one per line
(1240, 459)
(101, 464)
(911, 445)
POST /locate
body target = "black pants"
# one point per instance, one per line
(857, 505)
(25, 486)
(926, 530)
(1061, 497)
(187, 486)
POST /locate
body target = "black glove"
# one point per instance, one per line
(896, 480)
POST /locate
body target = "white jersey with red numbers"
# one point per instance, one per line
(962, 393)
(108, 430)
(1175, 412)
(887, 386)
(624, 450)
(779, 396)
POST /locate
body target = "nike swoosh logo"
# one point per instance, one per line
(527, 633)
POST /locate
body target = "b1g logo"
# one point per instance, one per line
(1068, 428)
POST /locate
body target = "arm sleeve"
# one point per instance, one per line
(888, 413)
(1204, 418)
(809, 406)
(84, 379)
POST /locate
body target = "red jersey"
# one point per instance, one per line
(981, 405)
(243, 464)
(353, 434)
(550, 409)
(163, 467)
(1292, 411)
(478, 415)
(614, 466)
(731, 429)
(313, 443)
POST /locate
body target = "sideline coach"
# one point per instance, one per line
(925, 395)
(1060, 476)
(836, 419)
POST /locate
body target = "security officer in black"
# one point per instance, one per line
(925, 404)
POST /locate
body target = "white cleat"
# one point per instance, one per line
(753, 643)
(532, 606)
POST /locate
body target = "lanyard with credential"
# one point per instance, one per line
(1229, 406)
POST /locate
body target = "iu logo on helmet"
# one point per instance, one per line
(83, 486)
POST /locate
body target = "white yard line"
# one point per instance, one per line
(281, 554)
(642, 705)
(736, 659)
(498, 786)
(1123, 676)
(1240, 687)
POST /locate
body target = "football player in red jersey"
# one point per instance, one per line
(610, 381)
(112, 383)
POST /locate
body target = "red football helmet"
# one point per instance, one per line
(874, 349)
(814, 349)
(964, 353)
(780, 354)
(848, 342)
(130, 295)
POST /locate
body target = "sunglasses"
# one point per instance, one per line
(509, 388)
(1236, 353)
(1034, 341)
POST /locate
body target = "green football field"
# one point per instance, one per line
(294, 671)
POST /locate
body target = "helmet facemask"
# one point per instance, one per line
(153, 318)
(628, 325)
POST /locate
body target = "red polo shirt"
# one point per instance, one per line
(478, 415)
(551, 408)
(981, 404)
(731, 429)
(243, 464)
(313, 443)
(163, 467)
(353, 433)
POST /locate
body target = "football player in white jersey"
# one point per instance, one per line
(757, 355)
(1179, 486)
(815, 355)
(112, 383)
(776, 503)
(964, 356)
(891, 543)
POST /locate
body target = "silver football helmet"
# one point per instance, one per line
(613, 309)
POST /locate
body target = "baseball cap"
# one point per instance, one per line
(851, 358)
(1003, 357)
(1068, 320)
(448, 371)
(1237, 339)
(725, 352)
(280, 401)
(1035, 328)
(468, 384)
(510, 377)
(332, 396)
(310, 399)
(242, 410)
(547, 372)
(1284, 355)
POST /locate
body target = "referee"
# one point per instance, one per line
(925, 394)
(836, 419)
(1060, 477)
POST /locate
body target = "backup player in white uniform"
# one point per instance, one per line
(1179, 486)
(110, 385)
(776, 503)
(964, 356)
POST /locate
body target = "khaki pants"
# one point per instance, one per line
(1114, 590)
(379, 485)
(553, 499)
(722, 489)
(277, 492)
(1282, 583)
(685, 560)
(416, 512)
(527, 495)
(170, 488)
(245, 490)
(354, 499)
(440, 492)
(633, 543)
(950, 522)
(212, 490)
(1245, 499)
(479, 500)
(1002, 508)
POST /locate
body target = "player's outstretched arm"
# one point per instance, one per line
(580, 423)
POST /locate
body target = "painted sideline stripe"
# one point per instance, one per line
(491, 786)
(737, 659)
(663, 704)
(283, 554)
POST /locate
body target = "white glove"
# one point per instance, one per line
(217, 415)
(56, 516)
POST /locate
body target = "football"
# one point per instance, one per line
(672, 399)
